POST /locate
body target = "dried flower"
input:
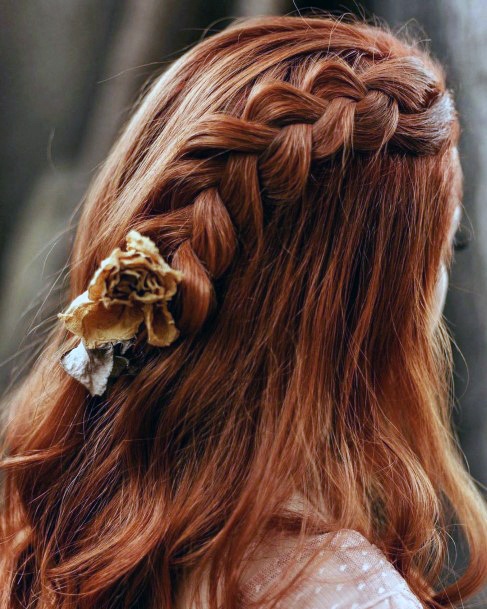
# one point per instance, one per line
(129, 287)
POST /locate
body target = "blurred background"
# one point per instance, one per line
(70, 72)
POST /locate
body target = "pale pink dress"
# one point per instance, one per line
(353, 574)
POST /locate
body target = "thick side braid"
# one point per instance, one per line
(204, 256)
(409, 115)
(203, 240)
(226, 163)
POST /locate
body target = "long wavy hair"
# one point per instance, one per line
(302, 173)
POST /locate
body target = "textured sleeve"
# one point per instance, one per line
(396, 601)
(352, 574)
(313, 598)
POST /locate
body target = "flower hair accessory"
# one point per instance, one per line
(130, 288)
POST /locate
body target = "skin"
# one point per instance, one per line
(442, 283)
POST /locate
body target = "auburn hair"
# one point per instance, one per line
(302, 173)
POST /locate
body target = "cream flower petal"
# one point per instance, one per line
(98, 287)
(73, 316)
(132, 259)
(161, 329)
(139, 243)
(97, 324)
(108, 324)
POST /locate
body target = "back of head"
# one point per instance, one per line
(302, 174)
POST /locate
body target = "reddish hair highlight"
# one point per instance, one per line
(301, 173)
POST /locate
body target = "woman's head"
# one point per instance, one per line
(303, 175)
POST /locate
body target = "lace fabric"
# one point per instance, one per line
(352, 574)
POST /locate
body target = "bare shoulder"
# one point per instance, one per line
(351, 573)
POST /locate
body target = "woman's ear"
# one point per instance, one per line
(443, 275)
(441, 291)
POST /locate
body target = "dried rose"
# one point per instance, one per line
(129, 287)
